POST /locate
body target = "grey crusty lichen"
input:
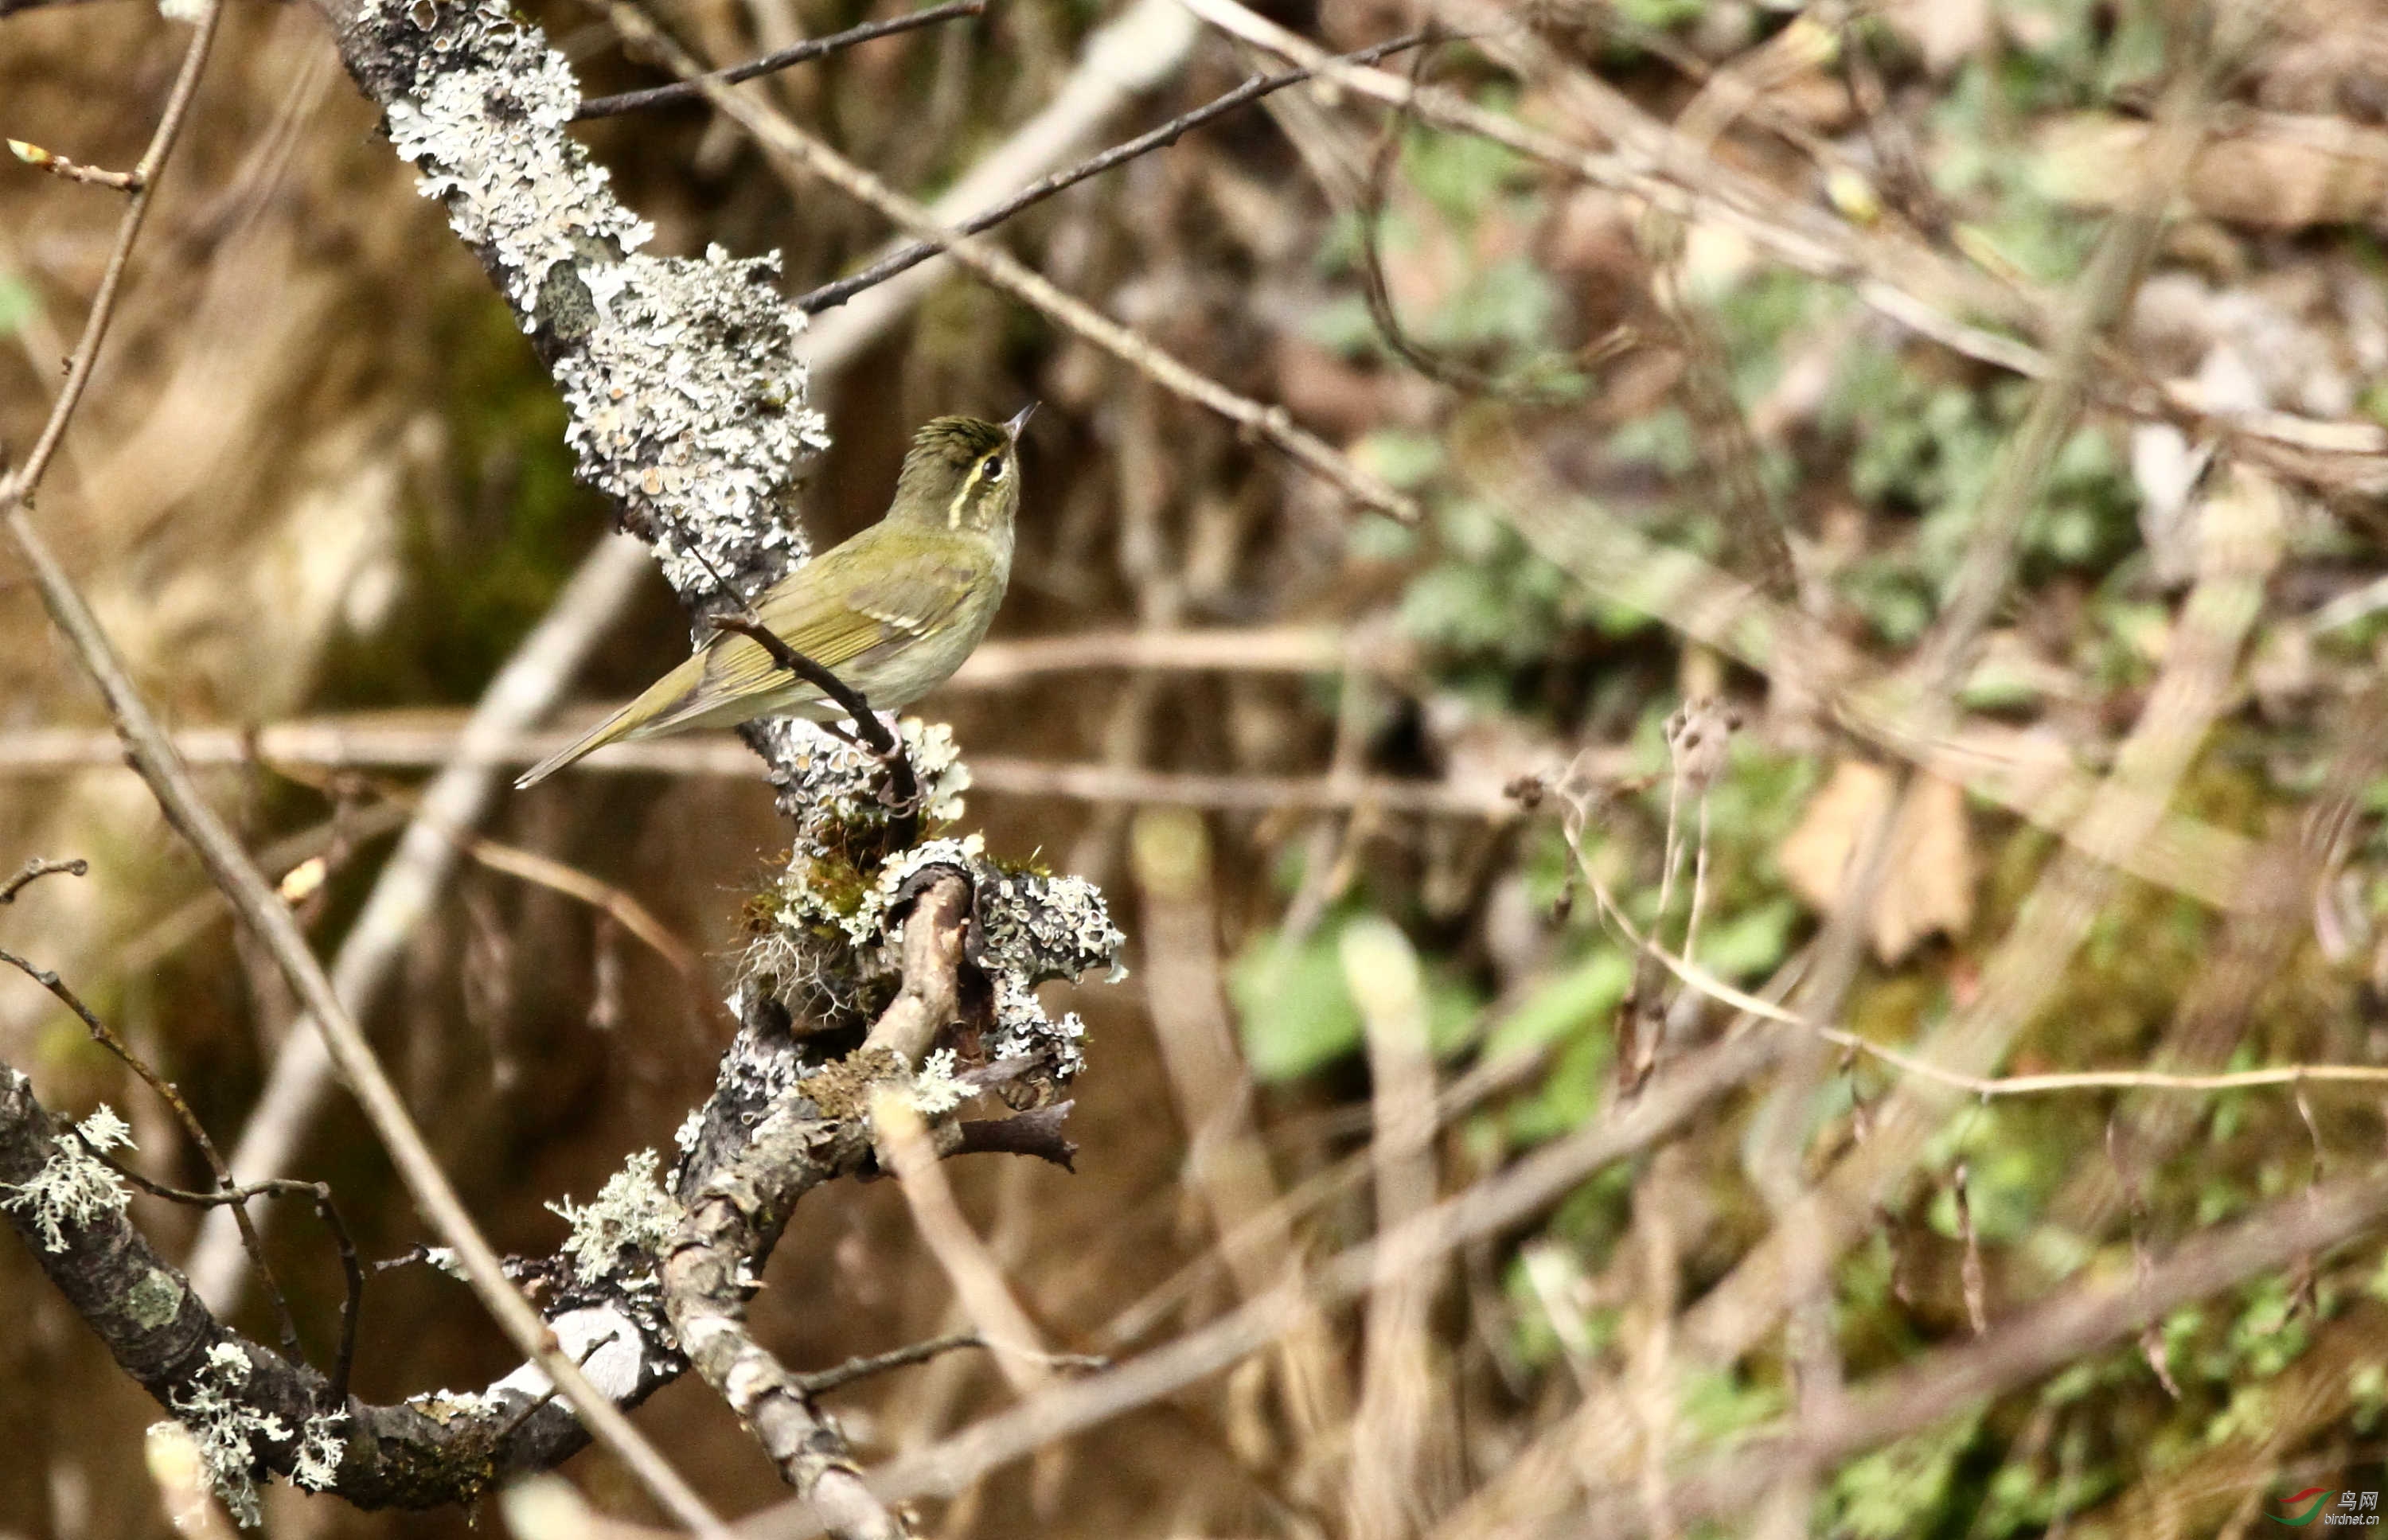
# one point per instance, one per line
(681, 375)
(822, 942)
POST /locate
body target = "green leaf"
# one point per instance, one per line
(1403, 458)
(1579, 1000)
(1901, 1490)
(1293, 1010)
(1750, 942)
(17, 305)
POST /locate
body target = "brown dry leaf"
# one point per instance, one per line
(1947, 33)
(2276, 171)
(1930, 884)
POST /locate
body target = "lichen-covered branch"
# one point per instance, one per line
(647, 1265)
(681, 375)
(253, 1410)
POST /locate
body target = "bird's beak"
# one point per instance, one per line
(1011, 430)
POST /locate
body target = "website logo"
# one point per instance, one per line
(2298, 1518)
(2352, 1507)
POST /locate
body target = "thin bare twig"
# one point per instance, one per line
(2101, 1306)
(735, 1214)
(1719, 990)
(320, 1195)
(834, 293)
(105, 1037)
(2240, 545)
(515, 1425)
(1374, 191)
(2094, 306)
(616, 903)
(782, 138)
(1902, 280)
(802, 53)
(902, 1136)
(73, 171)
(37, 868)
(1673, 1095)
(1377, 289)
(18, 487)
(407, 888)
(822, 1380)
(903, 785)
(341, 745)
(1117, 64)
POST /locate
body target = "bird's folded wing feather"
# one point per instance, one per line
(839, 619)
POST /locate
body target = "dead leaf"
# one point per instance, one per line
(1930, 884)
(2276, 171)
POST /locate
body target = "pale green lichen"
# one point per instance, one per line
(321, 1446)
(444, 1259)
(227, 1429)
(685, 388)
(74, 1186)
(1040, 927)
(1022, 1030)
(823, 941)
(444, 1407)
(105, 1130)
(937, 764)
(630, 1212)
(935, 1088)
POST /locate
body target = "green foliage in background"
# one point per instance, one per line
(18, 305)
(492, 537)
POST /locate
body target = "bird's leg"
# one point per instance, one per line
(903, 790)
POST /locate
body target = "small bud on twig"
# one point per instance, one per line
(73, 171)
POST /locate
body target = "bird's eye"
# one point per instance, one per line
(991, 471)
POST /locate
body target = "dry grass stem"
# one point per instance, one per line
(986, 1298)
(1226, 1164)
(1395, 1487)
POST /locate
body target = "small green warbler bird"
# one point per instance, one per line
(892, 612)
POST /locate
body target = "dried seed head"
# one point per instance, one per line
(1697, 736)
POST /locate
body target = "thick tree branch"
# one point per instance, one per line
(819, 1128)
(685, 402)
(419, 1454)
(228, 864)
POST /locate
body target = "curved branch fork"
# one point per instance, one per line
(817, 1129)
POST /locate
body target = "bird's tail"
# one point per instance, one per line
(617, 726)
(671, 703)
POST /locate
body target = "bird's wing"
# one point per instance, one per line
(838, 619)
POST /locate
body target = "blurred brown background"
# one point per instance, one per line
(320, 475)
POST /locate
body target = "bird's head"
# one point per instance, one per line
(962, 474)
